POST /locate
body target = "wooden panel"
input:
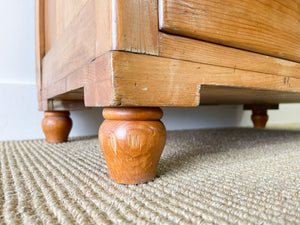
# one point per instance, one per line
(67, 10)
(136, 25)
(176, 47)
(269, 27)
(58, 15)
(104, 26)
(75, 47)
(50, 24)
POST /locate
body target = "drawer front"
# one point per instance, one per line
(270, 27)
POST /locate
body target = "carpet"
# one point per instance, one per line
(211, 176)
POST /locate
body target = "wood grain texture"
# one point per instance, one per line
(156, 81)
(176, 47)
(104, 26)
(75, 47)
(96, 79)
(127, 79)
(39, 44)
(50, 23)
(58, 15)
(136, 26)
(79, 36)
(269, 27)
(132, 140)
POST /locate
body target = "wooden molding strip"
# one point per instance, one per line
(176, 47)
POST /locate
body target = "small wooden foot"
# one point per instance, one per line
(259, 118)
(132, 140)
(259, 115)
(56, 126)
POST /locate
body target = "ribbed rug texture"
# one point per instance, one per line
(211, 176)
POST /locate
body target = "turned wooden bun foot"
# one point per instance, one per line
(56, 126)
(132, 140)
(259, 118)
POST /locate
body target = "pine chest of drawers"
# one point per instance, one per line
(132, 56)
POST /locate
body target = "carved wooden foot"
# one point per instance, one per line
(259, 118)
(56, 126)
(259, 115)
(132, 140)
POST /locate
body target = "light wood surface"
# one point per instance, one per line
(39, 44)
(56, 126)
(110, 53)
(176, 47)
(83, 67)
(75, 47)
(132, 140)
(78, 33)
(58, 15)
(105, 28)
(269, 27)
(148, 80)
(136, 26)
(50, 25)
(127, 79)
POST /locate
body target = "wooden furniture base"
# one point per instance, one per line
(162, 53)
(132, 140)
(56, 126)
(259, 115)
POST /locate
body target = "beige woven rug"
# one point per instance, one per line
(216, 176)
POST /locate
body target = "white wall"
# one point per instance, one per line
(19, 115)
